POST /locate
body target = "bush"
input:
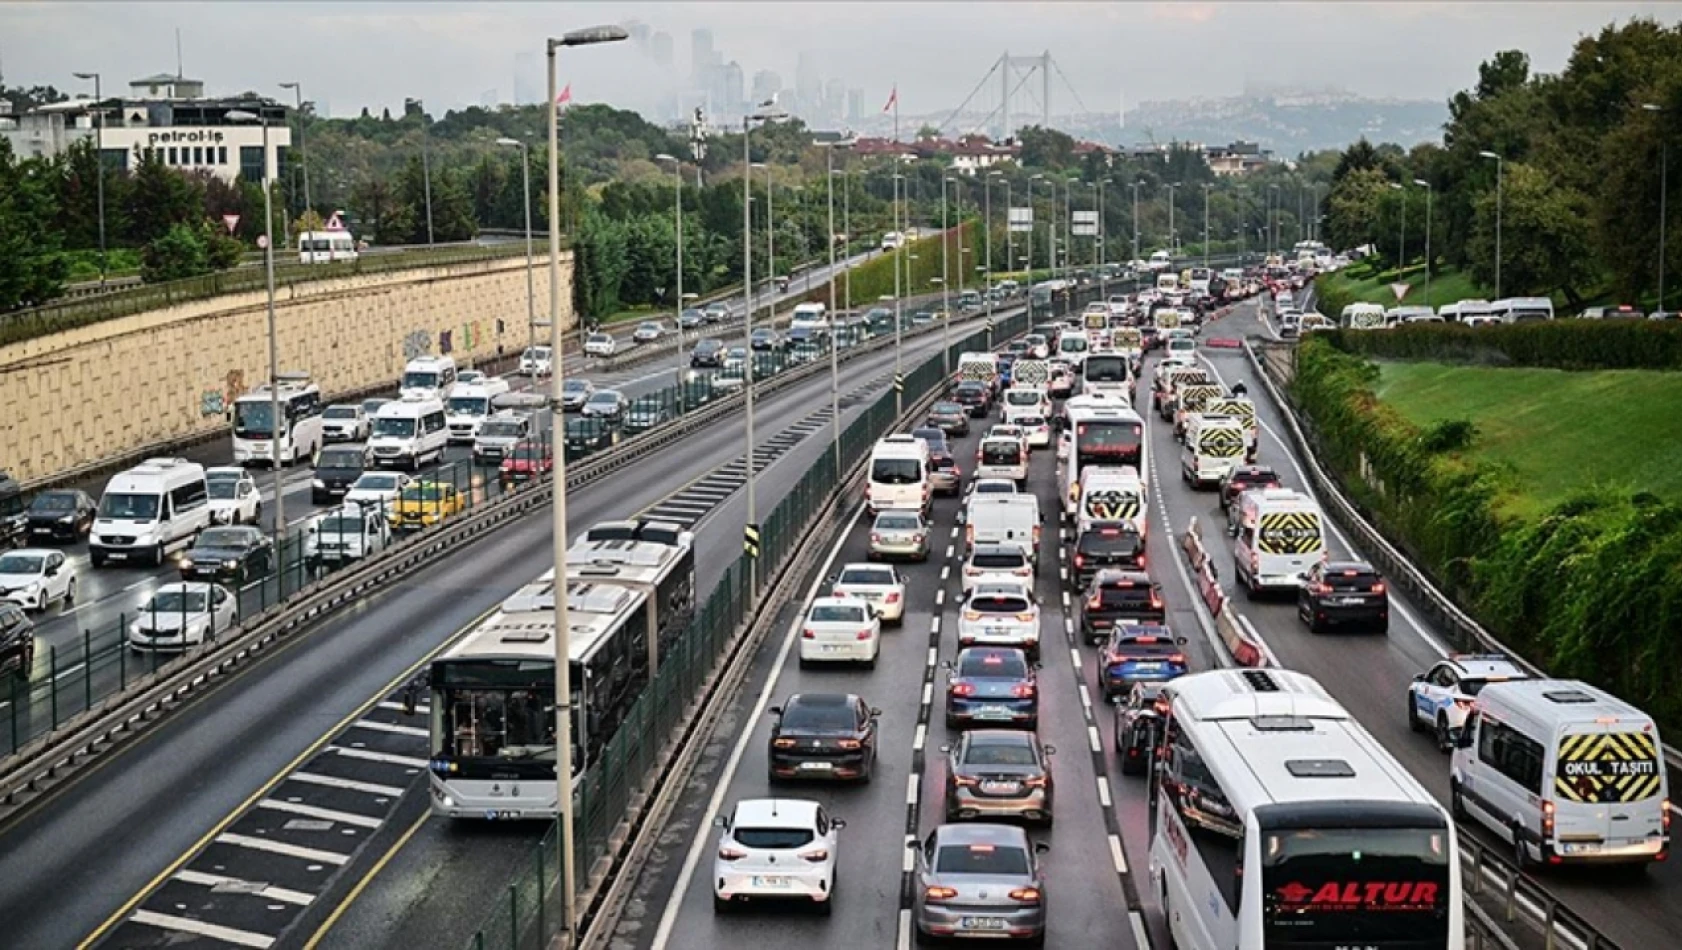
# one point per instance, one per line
(1590, 590)
(176, 254)
(1554, 344)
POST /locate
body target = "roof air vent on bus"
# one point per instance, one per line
(1261, 681)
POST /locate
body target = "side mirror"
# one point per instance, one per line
(1040, 847)
(946, 665)
(946, 748)
(1050, 750)
(1419, 677)
(1180, 640)
(1463, 739)
(837, 824)
(720, 821)
(775, 710)
(874, 712)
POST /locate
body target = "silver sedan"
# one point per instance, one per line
(979, 880)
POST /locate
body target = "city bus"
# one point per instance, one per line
(301, 434)
(492, 708)
(1277, 821)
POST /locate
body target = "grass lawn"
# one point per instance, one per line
(1447, 286)
(1555, 431)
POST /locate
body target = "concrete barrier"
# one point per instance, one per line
(1235, 632)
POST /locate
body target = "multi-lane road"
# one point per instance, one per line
(87, 859)
(1099, 892)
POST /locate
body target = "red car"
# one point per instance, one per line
(528, 462)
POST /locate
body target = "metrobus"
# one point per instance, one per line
(300, 435)
(630, 595)
(1278, 822)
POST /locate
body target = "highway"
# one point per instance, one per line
(176, 791)
(1095, 884)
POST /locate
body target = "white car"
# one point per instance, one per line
(781, 849)
(1439, 699)
(345, 534)
(234, 498)
(1036, 430)
(841, 630)
(378, 490)
(33, 578)
(345, 422)
(997, 614)
(471, 377)
(600, 344)
(876, 584)
(996, 564)
(536, 361)
(648, 331)
(183, 615)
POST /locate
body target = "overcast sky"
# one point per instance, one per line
(451, 54)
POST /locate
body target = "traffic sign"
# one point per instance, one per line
(1400, 290)
(334, 223)
(750, 540)
(262, 241)
(230, 221)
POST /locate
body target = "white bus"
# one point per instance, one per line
(493, 693)
(1277, 821)
(301, 434)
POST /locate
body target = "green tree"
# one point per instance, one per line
(1358, 157)
(1546, 236)
(31, 270)
(1354, 208)
(76, 183)
(159, 199)
(176, 254)
(386, 218)
(599, 250)
(1046, 148)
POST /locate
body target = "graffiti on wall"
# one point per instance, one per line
(417, 343)
(216, 402)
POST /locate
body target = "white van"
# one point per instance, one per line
(1279, 536)
(1214, 446)
(1458, 311)
(408, 432)
(428, 376)
(1161, 261)
(1168, 282)
(470, 404)
(158, 505)
(995, 518)
(1002, 456)
(1362, 316)
(899, 475)
(1108, 493)
(1564, 771)
(320, 247)
(1025, 401)
(1522, 309)
(810, 315)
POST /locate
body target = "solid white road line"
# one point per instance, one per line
(186, 925)
(1118, 857)
(674, 904)
(1141, 936)
(333, 781)
(281, 847)
(327, 814)
(401, 730)
(903, 940)
(1093, 739)
(255, 888)
(913, 784)
(370, 756)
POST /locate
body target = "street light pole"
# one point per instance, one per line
(1272, 219)
(987, 231)
(900, 253)
(1664, 188)
(766, 113)
(1010, 235)
(847, 229)
(1402, 238)
(1206, 186)
(1031, 179)
(677, 216)
(1173, 235)
(531, 279)
(1427, 186)
(1135, 186)
(558, 511)
(303, 153)
(945, 277)
(99, 162)
(275, 418)
(1498, 163)
(834, 325)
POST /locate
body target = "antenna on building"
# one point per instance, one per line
(178, 71)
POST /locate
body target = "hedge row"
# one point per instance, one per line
(1556, 344)
(1590, 590)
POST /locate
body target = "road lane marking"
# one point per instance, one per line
(1141, 936)
(922, 728)
(934, 652)
(361, 885)
(186, 925)
(1118, 857)
(349, 785)
(312, 811)
(1074, 655)
(401, 730)
(913, 783)
(1104, 792)
(280, 847)
(1093, 740)
(371, 756)
(419, 710)
(255, 888)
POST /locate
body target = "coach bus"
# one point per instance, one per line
(1278, 822)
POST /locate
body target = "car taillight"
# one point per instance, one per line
(1665, 810)
(963, 689)
(917, 539)
(1021, 572)
(783, 743)
(969, 535)
(1094, 602)
(1080, 560)
(731, 854)
(892, 598)
(1036, 781)
(863, 634)
(848, 743)
(1156, 601)
(1027, 895)
(1037, 530)
(965, 781)
(1177, 658)
(808, 634)
(1022, 690)
(1025, 617)
(939, 894)
(972, 615)
(1547, 820)
(875, 538)
(1378, 588)
(508, 465)
(817, 856)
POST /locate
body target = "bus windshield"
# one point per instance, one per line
(1106, 369)
(1340, 886)
(470, 406)
(418, 380)
(253, 418)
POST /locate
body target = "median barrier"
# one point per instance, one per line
(1246, 651)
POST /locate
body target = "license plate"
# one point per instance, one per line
(817, 766)
(980, 923)
(1348, 601)
(1147, 666)
(770, 880)
(1580, 847)
(504, 814)
(999, 788)
(994, 712)
(833, 648)
(998, 631)
(115, 556)
(43, 531)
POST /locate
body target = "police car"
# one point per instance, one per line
(1439, 698)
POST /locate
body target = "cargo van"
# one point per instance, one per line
(408, 432)
(429, 376)
(1522, 309)
(469, 405)
(1214, 446)
(1108, 493)
(809, 315)
(1278, 536)
(159, 505)
(1565, 772)
(994, 518)
(899, 475)
(1002, 456)
(1362, 316)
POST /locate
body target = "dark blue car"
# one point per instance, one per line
(1141, 653)
(992, 686)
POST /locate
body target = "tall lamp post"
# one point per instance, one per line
(1664, 187)
(766, 112)
(1272, 219)
(1498, 163)
(987, 246)
(1103, 252)
(558, 512)
(1134, 263)
(900, 253)
(241, 115)
(99, 162)
(834, 315)
(1037, 176)
(1402, 235)
(531, 279)
(1206, 187)
(677, 216)
(303, 153)
(945, 279)
(1427, 186)
(1173, 235)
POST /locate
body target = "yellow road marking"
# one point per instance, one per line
(361, 885)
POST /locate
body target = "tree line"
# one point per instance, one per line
(1581, 159)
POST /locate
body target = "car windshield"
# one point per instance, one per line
(223, 538)
(530, 453)
(428, 491)
(1143, 644)
(177, 601)
(981, 859)
(646, 327)
(892, 522)
(222, 488)
(469, 405)
(129, 507)
(53, 502)
(605, 398)
(1001, 453)
(574, 386)
(994, 486)
(993, 665)
(896, 471)
(1000, 604)
(339, 412)
(22, 563)
(836, 613)
(394, 427)
(982, 752)
(772, 839)
(1115, 596)
(503, 429)
(1352, 580)
(416, 380)
(537, 352)
(600, 338)
(372, 482)
(816, 715)
(339, 524)
(946, 409)
(870, 576)
(1108, 541)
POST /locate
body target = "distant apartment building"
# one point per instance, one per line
(168, 117)
(766, 84)
(1237, 158)
(968, 154)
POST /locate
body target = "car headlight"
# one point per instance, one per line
(230, 563)
(67, 519)
(186, 564)
(318, 483)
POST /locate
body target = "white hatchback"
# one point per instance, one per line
(35, 577)
(600, 344)
(840, 630)
(876, 584)
(780, 849)
(997, 564)
(999, 614)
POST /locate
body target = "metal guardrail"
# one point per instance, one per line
(46, 760)
(1516, 892)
